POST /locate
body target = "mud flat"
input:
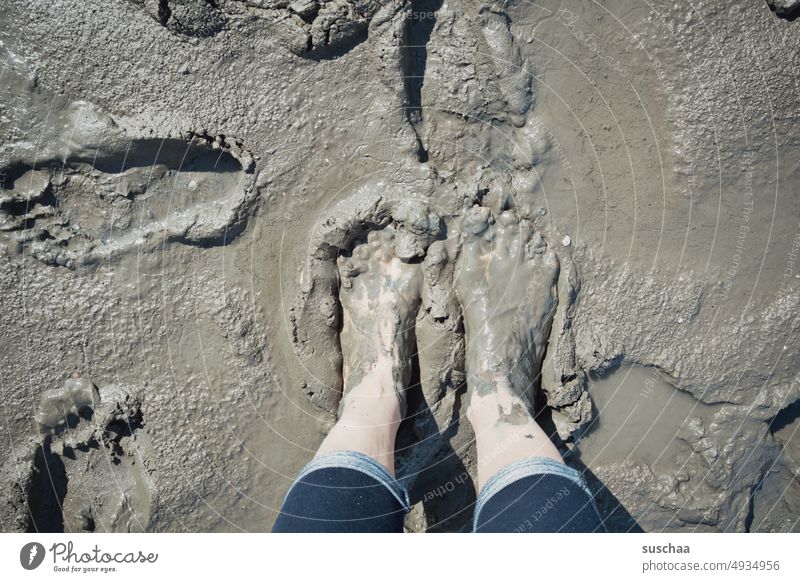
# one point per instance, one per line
(179, 179)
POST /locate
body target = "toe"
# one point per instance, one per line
(506, 242)
(361, 253)
(508, 218)
(388, 234)
(409, 245)
(388, 240)
(536, 245)
(472, 262)
(435, 257)
(477, 220)
(346, 271)
(416, 227)
(525, 230)
(550, 258)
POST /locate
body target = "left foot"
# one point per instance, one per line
(380, 296)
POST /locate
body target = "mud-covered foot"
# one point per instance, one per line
(506, 282)
(380, 296)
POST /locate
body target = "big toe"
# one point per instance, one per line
(476, 221)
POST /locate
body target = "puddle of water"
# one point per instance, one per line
(637, 416)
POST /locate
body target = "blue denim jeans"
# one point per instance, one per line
(347, 491)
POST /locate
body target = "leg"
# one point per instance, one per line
(506, 282)
(368, 419)
(350, 485)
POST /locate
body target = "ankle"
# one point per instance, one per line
(371, 403)
(370, 412)
(376, 391)
(495, 403)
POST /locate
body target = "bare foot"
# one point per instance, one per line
(380, 296)
(506, 283)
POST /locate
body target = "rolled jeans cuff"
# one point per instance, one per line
(527, 468)
(357, 462)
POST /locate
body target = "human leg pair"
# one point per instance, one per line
(506, 278)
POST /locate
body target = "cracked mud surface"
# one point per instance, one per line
(178, 179)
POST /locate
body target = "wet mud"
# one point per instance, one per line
(183, 183)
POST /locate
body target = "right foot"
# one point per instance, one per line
(506, 283)
(380, 296)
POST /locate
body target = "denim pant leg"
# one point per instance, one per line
(536, 495)
(344, 491)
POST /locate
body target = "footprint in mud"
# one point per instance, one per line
(87, 472)
(308, 28)
(113, 192)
